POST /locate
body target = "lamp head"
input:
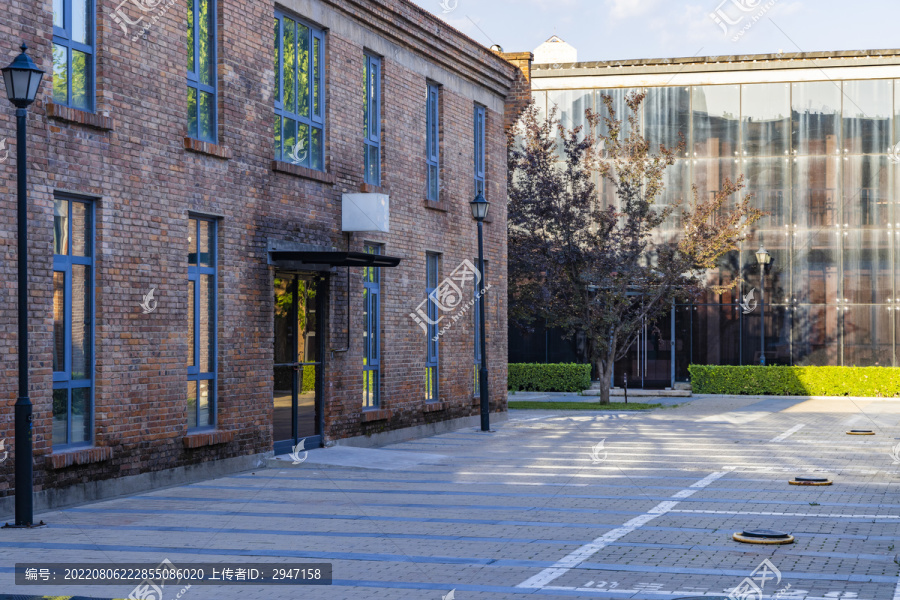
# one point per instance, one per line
(22, 79)
(479, 207)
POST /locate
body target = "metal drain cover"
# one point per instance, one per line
(810, 481)
(860, 432)
(765, 533)
(763, 536)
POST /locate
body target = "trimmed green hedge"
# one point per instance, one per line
(796, 381)
(535, 377)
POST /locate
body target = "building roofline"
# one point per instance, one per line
(398, 20)
(785, 60)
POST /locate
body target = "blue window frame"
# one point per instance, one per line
(372, 333)
(477, 307)
(202, 323)
(480, 119)
(73, 53)
(73, 322)
(372, 119)
(299, 95)
(432, 376)
(202, 71)
(433, 142)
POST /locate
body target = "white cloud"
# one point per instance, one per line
(623, 9)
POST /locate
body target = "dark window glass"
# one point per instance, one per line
(73, 53)
(73, 322)
(299, 104)
(202, 323)
(371, 333)
(432, 271)
(480, 123)
(201, 77)
(372, 120)
(433, 142)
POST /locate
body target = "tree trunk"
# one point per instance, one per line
(605, 369)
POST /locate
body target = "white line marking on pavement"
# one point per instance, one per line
(582, 554)
(788, 433)
(784, 514)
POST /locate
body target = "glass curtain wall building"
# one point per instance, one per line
(818, 156)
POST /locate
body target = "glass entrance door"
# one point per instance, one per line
(297, 371)
(648, 364)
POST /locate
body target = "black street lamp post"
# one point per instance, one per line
(763, 258)
(22, 79)
(479, 211)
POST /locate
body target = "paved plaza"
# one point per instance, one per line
(553, 504)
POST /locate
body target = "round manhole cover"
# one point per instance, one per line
(860, 432)
(765, 533)
(763, 536)
(810, 481)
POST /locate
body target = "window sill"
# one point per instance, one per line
(200, 147)
(73, 115)
(80, 456)
(435, 406)
(369, 416)
(368, 188)
(303, 172)
(207, 438)
(441, 206)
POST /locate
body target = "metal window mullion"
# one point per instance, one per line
(195, 8)
(374, 312)
(86, 48)
(319, 87)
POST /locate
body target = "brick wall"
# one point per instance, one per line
(131, 157)
(520, 95)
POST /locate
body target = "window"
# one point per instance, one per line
(433, 141)
(371, 333)
(202, 322)
(73, 53)
(299, 99)
(201, 77)
(73, 322)
(372, 118)
(432, 268)
(479, 150)
(477, 306)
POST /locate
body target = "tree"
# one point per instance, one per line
(607, 271)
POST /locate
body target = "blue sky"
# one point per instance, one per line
(622, 29)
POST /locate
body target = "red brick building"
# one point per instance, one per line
(198, 180)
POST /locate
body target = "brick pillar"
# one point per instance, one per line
(520, 94)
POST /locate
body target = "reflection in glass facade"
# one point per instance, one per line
(815, 156)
